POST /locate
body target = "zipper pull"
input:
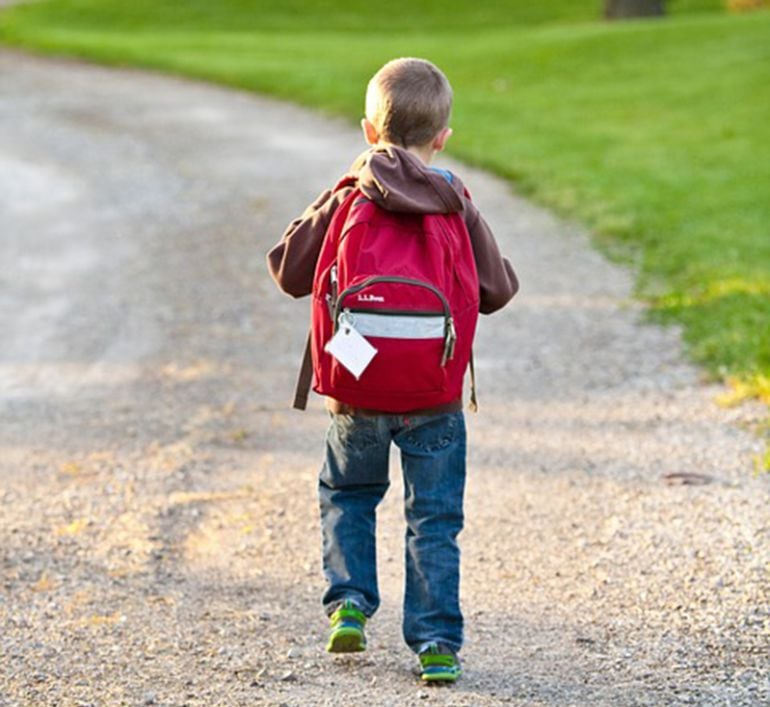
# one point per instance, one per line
(331, 298)
(449, 342)
(346, 320)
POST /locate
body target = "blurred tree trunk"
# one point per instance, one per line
(617, 9)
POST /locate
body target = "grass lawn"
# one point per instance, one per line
(655, 134)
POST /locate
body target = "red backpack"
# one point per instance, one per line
(398, 293)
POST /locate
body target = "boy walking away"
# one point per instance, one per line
(399, 262)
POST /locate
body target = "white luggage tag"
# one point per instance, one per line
(351, 349)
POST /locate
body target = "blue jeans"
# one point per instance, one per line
(353, 481)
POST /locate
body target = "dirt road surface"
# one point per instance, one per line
(159, 541)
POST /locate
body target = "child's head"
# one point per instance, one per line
(408, 102)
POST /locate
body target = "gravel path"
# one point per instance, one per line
(158, 532)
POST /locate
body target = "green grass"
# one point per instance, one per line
(655, 134)
(313, 15)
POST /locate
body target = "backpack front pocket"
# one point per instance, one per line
(410, 349)
(409, 323)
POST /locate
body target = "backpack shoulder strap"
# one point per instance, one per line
(304, 379)
(473, 405)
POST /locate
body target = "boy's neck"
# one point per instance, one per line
(425, 154)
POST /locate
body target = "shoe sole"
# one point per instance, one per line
(440, 677)
(346, 641)
(440, 673)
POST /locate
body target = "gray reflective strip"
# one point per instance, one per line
(396, 326)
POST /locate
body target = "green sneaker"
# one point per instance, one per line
(347, 629)
(439, 663)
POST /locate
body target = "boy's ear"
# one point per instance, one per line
(371, 135)
(440, 141)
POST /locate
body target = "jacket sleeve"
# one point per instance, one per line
(497, 280)
(293, 259)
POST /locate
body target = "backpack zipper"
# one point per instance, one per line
(394, 312)
(450, 334)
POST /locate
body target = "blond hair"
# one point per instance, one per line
(408, 101)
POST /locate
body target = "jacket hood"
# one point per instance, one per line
(398, 181)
